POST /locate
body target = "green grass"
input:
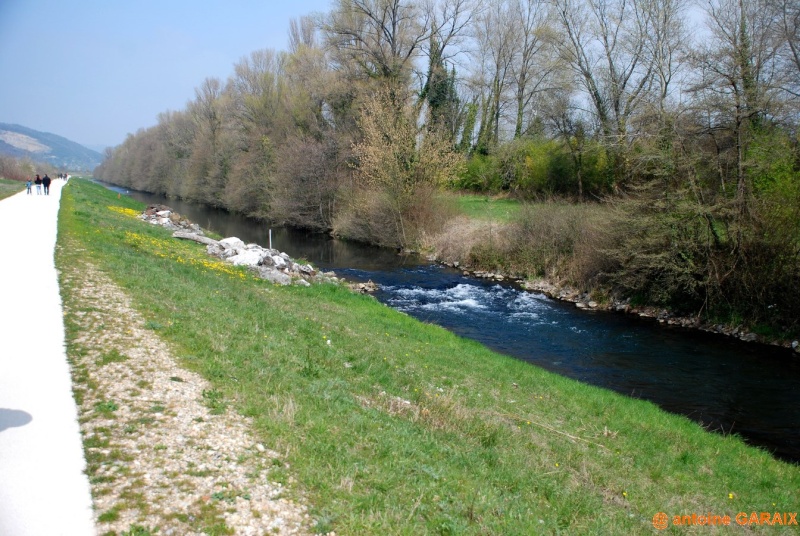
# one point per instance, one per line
(400, 427)
(485, 207)
(9, 187)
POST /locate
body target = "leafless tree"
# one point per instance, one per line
(381, 37)
(605, 45)
(496, 36)
(533, 59)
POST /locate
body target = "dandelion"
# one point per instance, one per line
(625, 494)
(558, 465)
(730, 495)
(124, 211)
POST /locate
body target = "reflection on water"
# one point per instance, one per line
(724, 384)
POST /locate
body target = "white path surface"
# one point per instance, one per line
(43, 489)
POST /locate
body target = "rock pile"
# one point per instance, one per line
(270, 264)
(166, 217)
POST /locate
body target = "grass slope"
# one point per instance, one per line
(393, 426)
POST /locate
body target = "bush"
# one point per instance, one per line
(561, 241)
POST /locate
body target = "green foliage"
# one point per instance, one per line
(214, 401)
(139, 530)
(537, 167)
(480, 175)
(106, 407)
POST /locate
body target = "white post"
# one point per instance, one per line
(270, 239)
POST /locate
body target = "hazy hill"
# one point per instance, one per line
(23, 142)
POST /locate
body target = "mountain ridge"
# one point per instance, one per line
(23, 142)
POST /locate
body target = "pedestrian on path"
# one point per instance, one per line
(38, 182)
(28, 186)
(46, 182)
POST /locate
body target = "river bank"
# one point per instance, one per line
(456, 245)
(385, 424)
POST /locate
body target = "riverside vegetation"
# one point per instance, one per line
(667, 133)
(387, 425)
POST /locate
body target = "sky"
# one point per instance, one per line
(93, 71)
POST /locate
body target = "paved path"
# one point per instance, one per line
(43, 490)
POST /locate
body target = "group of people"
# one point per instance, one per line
(42, 182)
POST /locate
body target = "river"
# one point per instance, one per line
(726, 385)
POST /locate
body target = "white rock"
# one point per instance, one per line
(246, 258)
(278, 262)
(232, 243)
(274, 276)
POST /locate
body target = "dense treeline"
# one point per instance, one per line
(684, 122)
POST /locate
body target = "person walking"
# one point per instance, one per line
(28, 185)
(46, 182)
(38, 182)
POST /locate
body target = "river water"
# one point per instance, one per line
(726, 385)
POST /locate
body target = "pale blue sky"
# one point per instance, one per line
(95, 70)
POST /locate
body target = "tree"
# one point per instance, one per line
(444, 106)
(496, 35)
(533, 61)
(736, 80)
(208, 164)
(605, 45)
(395, 164)
(380, 37)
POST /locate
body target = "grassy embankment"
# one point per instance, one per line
(392, 426)
(499, 209)
(9, 188)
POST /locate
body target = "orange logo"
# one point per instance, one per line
(660, 520)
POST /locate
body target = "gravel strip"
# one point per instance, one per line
(158, 456)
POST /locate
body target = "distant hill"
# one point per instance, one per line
(23, 142)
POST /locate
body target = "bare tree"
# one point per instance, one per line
(496, 36)
(737, 77)
(604, 44)
(533, 61)
(302, 33)
(382, 37)
(666, 42)
(788, 27)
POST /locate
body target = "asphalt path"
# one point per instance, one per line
(43, 488)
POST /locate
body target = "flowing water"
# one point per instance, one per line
(726, 385)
